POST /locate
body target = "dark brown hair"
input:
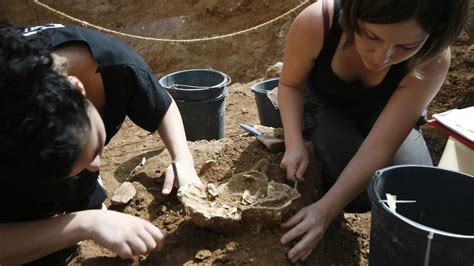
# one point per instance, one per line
(442, 19)
(44, 119)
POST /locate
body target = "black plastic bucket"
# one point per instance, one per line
(436, 229)
(267, 113)
(200, 96)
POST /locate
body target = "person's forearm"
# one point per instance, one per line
(291, 102)
(27, 241)
(354, 178)
(172, 133)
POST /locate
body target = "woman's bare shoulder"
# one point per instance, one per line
(308, 27)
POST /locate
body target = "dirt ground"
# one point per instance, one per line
(244, 58)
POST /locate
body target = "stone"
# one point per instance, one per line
(203, 254)
(274, 71)
(124, 194)
(246, 198)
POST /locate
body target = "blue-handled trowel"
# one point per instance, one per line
(274, 144)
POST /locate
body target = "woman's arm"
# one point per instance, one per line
(123, 234)
(304, 41)
(172, 132)
(377, 150)
(389, 131)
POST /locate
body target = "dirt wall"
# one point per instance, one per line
(242, 57)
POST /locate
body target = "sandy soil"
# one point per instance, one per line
(244, 58)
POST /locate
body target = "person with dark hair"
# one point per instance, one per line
(357, 75)
(52, 136)
(119, 83)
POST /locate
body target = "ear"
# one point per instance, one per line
(77, 84)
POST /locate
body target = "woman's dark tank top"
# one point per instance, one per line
(351, 97)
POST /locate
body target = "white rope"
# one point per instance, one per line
(87, 24)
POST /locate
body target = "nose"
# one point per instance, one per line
(94, 165)
(382, 54)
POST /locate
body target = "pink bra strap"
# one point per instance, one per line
(325, 18)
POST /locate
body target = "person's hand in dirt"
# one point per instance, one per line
(182, 175)
(308, 225)
(123, 234)
(295, 161)
(171, 130)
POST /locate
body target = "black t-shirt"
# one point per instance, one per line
(131, 88)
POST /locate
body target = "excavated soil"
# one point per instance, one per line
(244, 58)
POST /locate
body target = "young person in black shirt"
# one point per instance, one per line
(51, 139)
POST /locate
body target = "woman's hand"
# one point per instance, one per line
(123, 234)
(308, 225)
(186, 175)
(295, 162)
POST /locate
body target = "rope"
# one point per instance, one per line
(87, 24)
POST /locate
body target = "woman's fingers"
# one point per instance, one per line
(295, 162)
(294, 219)
(290, 167)
(301, 256)
(291, 172)
(301, 169)
(305, 256)
(299, 228)
(309, 225)
(305, 246)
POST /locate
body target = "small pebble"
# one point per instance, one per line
(203, 254)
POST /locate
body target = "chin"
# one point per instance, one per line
(373, 67)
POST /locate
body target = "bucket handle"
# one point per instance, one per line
(226, 82)
(177, 86)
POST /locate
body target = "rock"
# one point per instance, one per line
(274, 71)
(246, 197)
(206, 166)
(272, 95)
(203, 254)
(231, 247)
(123, 194)
(212, 191)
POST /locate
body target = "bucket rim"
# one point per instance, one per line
(253, 88)
(219, 98)
(376, 202)
(227, 80)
